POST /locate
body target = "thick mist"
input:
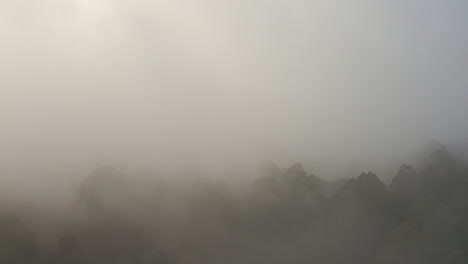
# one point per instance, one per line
(216, 131)
(174, 85)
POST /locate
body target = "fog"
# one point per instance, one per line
(156, 85)
(336, 86)
(156, 116)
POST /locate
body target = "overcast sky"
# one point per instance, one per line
(336, 85)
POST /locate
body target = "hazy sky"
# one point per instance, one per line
(151, 82)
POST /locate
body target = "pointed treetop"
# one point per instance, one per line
(297, 169)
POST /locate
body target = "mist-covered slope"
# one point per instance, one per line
(283, 216)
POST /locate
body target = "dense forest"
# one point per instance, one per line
(233, 132)
(284, 216)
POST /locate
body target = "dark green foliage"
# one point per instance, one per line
(435, 229)
(70, 250)
(285, 216)
(360, 214)
(285, 202)
(405, 190)
(17, 245)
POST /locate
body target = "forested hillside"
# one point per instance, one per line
(284, 216)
